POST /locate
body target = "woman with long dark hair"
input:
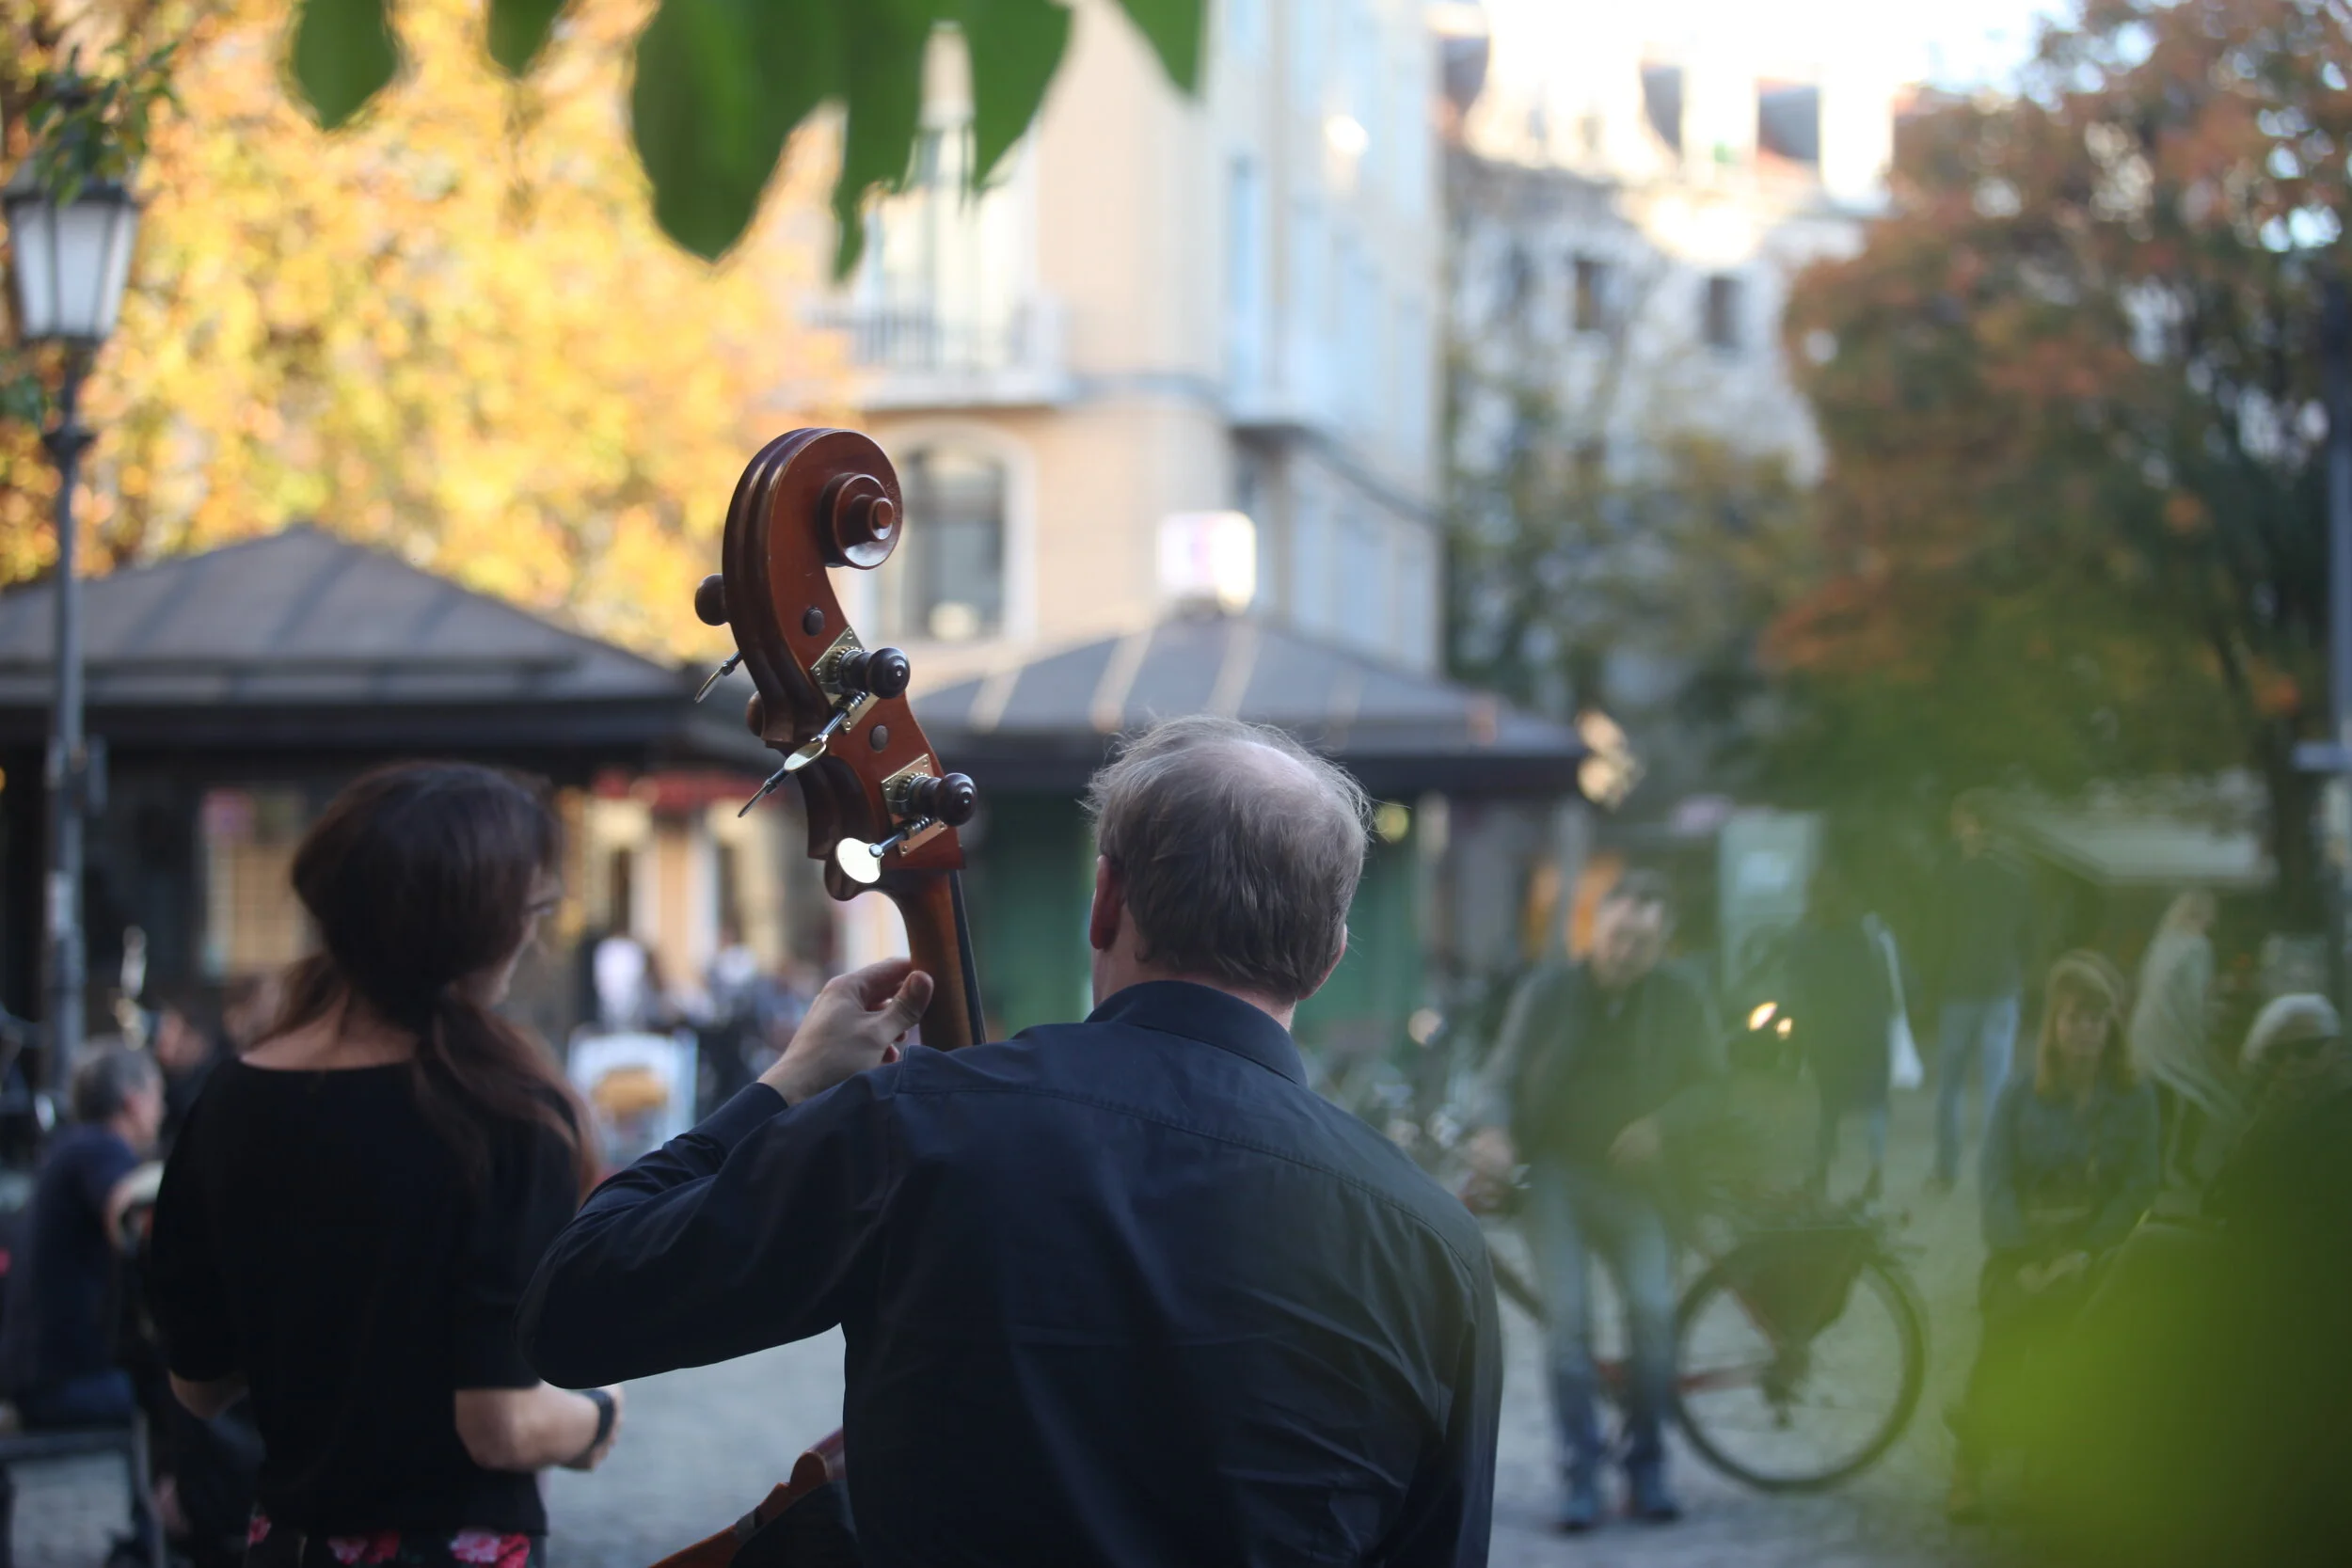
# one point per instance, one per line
(355, 1204)
(2070, 1165)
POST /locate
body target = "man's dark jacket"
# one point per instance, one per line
(1122, 1292)
(1577, 1063)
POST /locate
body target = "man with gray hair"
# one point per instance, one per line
(1121, 1293)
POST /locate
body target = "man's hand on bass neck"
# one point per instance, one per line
(856, 1023)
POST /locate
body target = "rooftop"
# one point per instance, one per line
(301, 640)
(1045, 718)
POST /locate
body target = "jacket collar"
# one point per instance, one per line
(1210, 1016)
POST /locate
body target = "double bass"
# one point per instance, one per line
(883, 812)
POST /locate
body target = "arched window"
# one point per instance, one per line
(950, 569)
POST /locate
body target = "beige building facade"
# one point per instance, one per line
(1166, 314)
(1632, 206)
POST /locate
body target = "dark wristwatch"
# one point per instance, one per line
(606, 1413)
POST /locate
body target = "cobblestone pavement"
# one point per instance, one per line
(704, 1444)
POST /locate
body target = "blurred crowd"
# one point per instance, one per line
(2162, 1165)
(2164, 1185)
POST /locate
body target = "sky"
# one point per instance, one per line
(1957, 43)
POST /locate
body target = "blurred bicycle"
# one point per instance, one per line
(1801, 1345)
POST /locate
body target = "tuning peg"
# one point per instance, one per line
(710, 600)
(862, 518)
(773, 779)
(719, 673)
(883, 672)
(906, 831)
(818, 742)
(952, 799)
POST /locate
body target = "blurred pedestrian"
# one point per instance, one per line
(1842, 1003)
(624, 984)
(728, 1037)
(735, 976)
(1590, 1053)
(1988, 926)
(355, 1204)
(2171, 1034)
(58, 1335)
(2070, 1165)
(2284, 1202)
(188, 1045)
(2200, 1411)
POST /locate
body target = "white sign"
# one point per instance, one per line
(1209, 556)
(639, 1089)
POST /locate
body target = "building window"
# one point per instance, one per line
(951, 564)
(728, 864)
(1362, 582)
(620, 880)
(1360, 331)
(1789, 121)
(253, 922)
(943, 285)
(1307, 30)
(1516, 281)
(1311, 581)
(1591, 304)
(1410, 384)
(1306, 302)
(1720, 319)
(1662, 103)
(1245, 275)
(1245, 30)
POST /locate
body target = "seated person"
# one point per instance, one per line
(56, 1335)
(2071, 1162)
(59, 1332)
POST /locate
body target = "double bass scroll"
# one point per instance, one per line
(882, 810)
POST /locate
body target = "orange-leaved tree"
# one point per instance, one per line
(2073, 407)
(451, 330)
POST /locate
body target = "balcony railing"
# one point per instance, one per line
(918, 357)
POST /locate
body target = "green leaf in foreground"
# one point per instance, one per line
(342, 54)
(884, 55)
(1015, 47)
(719, 86)
(518, 30)
(1173, 28)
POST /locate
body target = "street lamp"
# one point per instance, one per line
(71, 260)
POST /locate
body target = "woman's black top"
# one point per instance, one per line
(315, 1233)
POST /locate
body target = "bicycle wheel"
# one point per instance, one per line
(1786, 1412)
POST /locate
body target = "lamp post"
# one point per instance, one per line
(71, 260)
(2335, 349)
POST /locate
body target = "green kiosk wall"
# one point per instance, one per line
(1032, 877)
(1030, 881)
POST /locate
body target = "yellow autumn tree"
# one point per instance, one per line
(450, 331)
